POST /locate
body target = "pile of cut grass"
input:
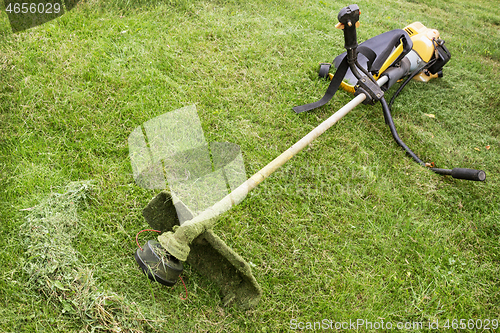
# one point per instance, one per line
(59, 272)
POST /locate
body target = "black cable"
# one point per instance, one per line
(412, 75)
(390, 122)
(388, 117)
(352, 59)
(458, 173)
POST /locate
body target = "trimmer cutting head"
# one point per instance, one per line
(158, 264)
(209, 255)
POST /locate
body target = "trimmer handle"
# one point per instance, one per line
(462, 173)
(348, 21)
(468, 174)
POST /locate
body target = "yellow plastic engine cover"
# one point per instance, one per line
(422, 37)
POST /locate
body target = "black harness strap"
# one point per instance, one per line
(332, 89)
(336, 81)
(369, 54)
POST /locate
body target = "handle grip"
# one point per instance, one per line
(468, 174)
(462, 173)
(348, 18)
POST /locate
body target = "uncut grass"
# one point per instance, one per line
(350, 228)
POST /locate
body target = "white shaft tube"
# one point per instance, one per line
(177, 244)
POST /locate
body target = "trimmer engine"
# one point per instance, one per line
(421, 53)
(372, 67)
(428, 47)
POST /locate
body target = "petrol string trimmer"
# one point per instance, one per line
(188, 236)
(415, 52)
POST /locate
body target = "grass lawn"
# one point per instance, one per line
(351, 228)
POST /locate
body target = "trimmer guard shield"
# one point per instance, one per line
(210, 256)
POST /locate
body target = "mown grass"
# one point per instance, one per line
(350, 228)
